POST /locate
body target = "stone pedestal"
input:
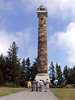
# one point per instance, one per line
(42, 76)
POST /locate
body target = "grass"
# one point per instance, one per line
(64, 93)
(7, 90)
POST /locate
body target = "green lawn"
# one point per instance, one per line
(64, 93)
(6, 90)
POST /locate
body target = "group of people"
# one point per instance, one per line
(41, 85)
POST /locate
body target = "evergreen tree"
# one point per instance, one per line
(22, 73)
(28, 62)
(2, 65)
(59, 74)
(23, 64)
(28, 69)
(7, 71)
(34, 70)
(72, 75)
(14, 65)
(52, 72)
(66, 74)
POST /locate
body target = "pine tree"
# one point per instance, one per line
(7, 70)
(72, 75)
(2, 65)
(23, 73)
(59, 74)
(28, 62)
(23, 64)
(34, 70)
(28, 69)
(14, 65)
(52, 72)
(66, 74)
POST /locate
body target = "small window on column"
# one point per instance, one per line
(41, 18)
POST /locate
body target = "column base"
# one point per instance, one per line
(42, 76)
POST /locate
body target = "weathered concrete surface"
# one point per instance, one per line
(30, 96)
(42, 41)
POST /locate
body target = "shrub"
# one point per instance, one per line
(10, 84)
(73, 85)
(69, 86)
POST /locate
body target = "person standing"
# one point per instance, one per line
(47, 81)
(29, 84)
(34, 85)
(40, 85)
(46, 85)
(37, 85)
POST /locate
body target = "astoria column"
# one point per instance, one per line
(42, 40)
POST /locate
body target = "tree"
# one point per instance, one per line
(66, 74)
(14, 62)
(23, 64)
(59, 74)
(34, 70)
(28, 62)
(28, 69)
(52, 72)
(23, 73)
(72, 75)
(7, 70)
(2, 65)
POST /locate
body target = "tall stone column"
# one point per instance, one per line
(42, 65)
(42, 40)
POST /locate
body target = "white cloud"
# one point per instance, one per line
(65, 41)
(4, 42)
(23, 40)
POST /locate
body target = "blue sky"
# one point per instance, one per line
(19, 23)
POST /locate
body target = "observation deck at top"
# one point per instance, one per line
(43, 10)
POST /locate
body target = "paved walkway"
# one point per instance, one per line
(30, 96)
